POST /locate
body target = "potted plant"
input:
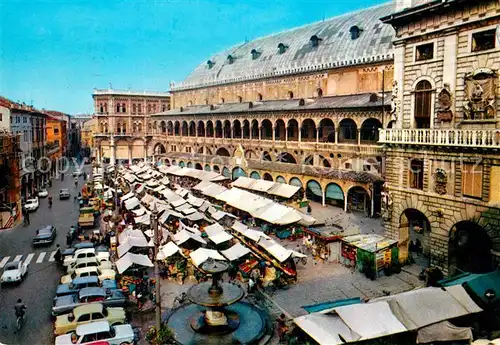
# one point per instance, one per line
(164, 337)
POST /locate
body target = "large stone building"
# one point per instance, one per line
(303, 107)
(122, 123)
(443, 167)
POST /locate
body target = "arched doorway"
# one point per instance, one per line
(190, 165)
(295, 181)
(267, 177)
(226, 172)
(207, 167)
(222, 152)
(369, 130)
(174, 162)
(415, 231)
(469, 249)
(348, 131)
(266, 130)
(198, 166)
(255, 175)
(334, 195)
(237, 172)
(266, 156)
(314, 191)
(308, 130)
(159, 149)
(358, 200)
(327, 131)
(280, 179)
(216, 169)
(182, 164)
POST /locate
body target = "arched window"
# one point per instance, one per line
(259, 97)
(118, 108)
(222, 100)
(149, 108)
(101, 108)
(319, 92)
(423, 98)
(290, 94)
(139, 108)
(240, 99)
(134, 108)
(124, 108)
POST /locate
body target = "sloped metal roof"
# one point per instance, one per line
(362, 100)
(335, 49)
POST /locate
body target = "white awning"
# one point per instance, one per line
(152, 183)
(277, 214)
(182, 192)
(196, 202)
(183, 236)
(195, 230)
(255, 235)
(159, 188)
(209, 189)
(130, 259)
(127, 233)
(196, 216)
(243, 182)
(284, 190)
(262, 185)
(130, 178)
(127, 196)
(167, 250)
(130, 243)
(214, 228)
(220, 214)
(144, 219)
(200, 255)
(239, 227)
(132, 203)
(140, 211)
(169, 213)
(235, 252)
(275, 249)
(326, 329)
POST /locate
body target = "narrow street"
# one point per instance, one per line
(38, 288)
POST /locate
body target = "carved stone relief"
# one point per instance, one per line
(386, 203)
(444, 113)
(480, 94)
(441, 179)
(395, 101)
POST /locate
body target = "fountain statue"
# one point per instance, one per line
(217, 314)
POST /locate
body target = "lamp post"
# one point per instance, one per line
(154, 224)
(115, 184)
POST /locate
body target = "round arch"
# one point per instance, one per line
(185, 130)
(201, 129)
(348, 131)
(285, 157)
(267, 177)
(177, 127)
(216, 169)
(369, 130)
(207, 167)
(266, 130)
(314, 191)
(226, 172)
(159, 149)
(266, 156)
(170, 128)
(255, 175)
(210, 129)
(198, 166)
(246, 129)
(309, 160)
(308, 130)
(174, 162)
(221, 151)
(192, 129)
(280, 179)
(293, 130)
(415, 230)
(255, 129)
(190, 165)
(237, 129)
(358, 200)
(218, 129)
(469, 249)
(227, 129)
(280, 130)
(326, 131)
(295, 181)
(334, 195)
(238, 172)
(182, 164)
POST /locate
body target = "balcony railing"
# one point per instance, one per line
(442, 137)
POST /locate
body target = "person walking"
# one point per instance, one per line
(69, 239)
(58, 255)
(26, 215)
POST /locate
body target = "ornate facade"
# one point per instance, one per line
(121, 121)
(442, 162)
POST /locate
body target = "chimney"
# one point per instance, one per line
(403, 4)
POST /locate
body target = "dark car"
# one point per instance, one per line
(44, 235)
(64, 304)
(76, 285)
(64, 194)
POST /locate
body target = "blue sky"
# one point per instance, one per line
(53, 53)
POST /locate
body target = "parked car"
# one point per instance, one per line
(14, 272)
(88, 313)
(86, 253)
(77, 173)
(43, 193)
(64, 194)
(99, 332)
(102, 274)
(32, 204)
(76, 285)
(45, 235)
(65, 304)
(89, 262)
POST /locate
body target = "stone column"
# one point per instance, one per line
(145, 152)
(129, 153)
(317, 138)
(260, 133)
(336, 133)
(323, 195)
(359, 136)
(241, 132)
(300, 134)
(286, 134)
(112, 158)
(274, 133)
(450, 65)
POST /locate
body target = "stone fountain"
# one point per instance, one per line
(217, 314)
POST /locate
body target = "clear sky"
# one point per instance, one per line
(53, 53)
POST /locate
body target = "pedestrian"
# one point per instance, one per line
(58, 255)
(26, 215)
(309, 209)
(69, 239)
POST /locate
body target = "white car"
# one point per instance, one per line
(32, 204)
(14, 272)
(43, 193)
(100, 331)
(86, 253)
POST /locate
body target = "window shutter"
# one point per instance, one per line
(472, 180)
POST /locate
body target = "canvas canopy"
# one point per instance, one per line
(217, 234)
(277, 214)
(144, 219)
(165, 180)
(255, 235)
(130, 178)
(284, 190)
(168, 250)
(443, 332)
(183, 236)
(130, 259)
(326, 329)
(210, 189)
(239, 227)
(140, 211)
(235, 252)
(130, 243)
(269, 187)
(275, 249)
(422, 307)
(127, 196)
(193, 229)
(127, 233)
(132, 203)
(169, 213)
(152, 183)
(221, 214)
(243, 182)
(200, 255)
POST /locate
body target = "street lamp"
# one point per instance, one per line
(154, 224)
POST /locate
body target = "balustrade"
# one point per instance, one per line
(442, 137)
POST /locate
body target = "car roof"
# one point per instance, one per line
(11, 264)
(92, 291)
(30, 200)
(45, 228)
(85, 250)
(84, 280)
(86, 269)
(83, 245)
(64, 190)
(94, 327)
(88, 308)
